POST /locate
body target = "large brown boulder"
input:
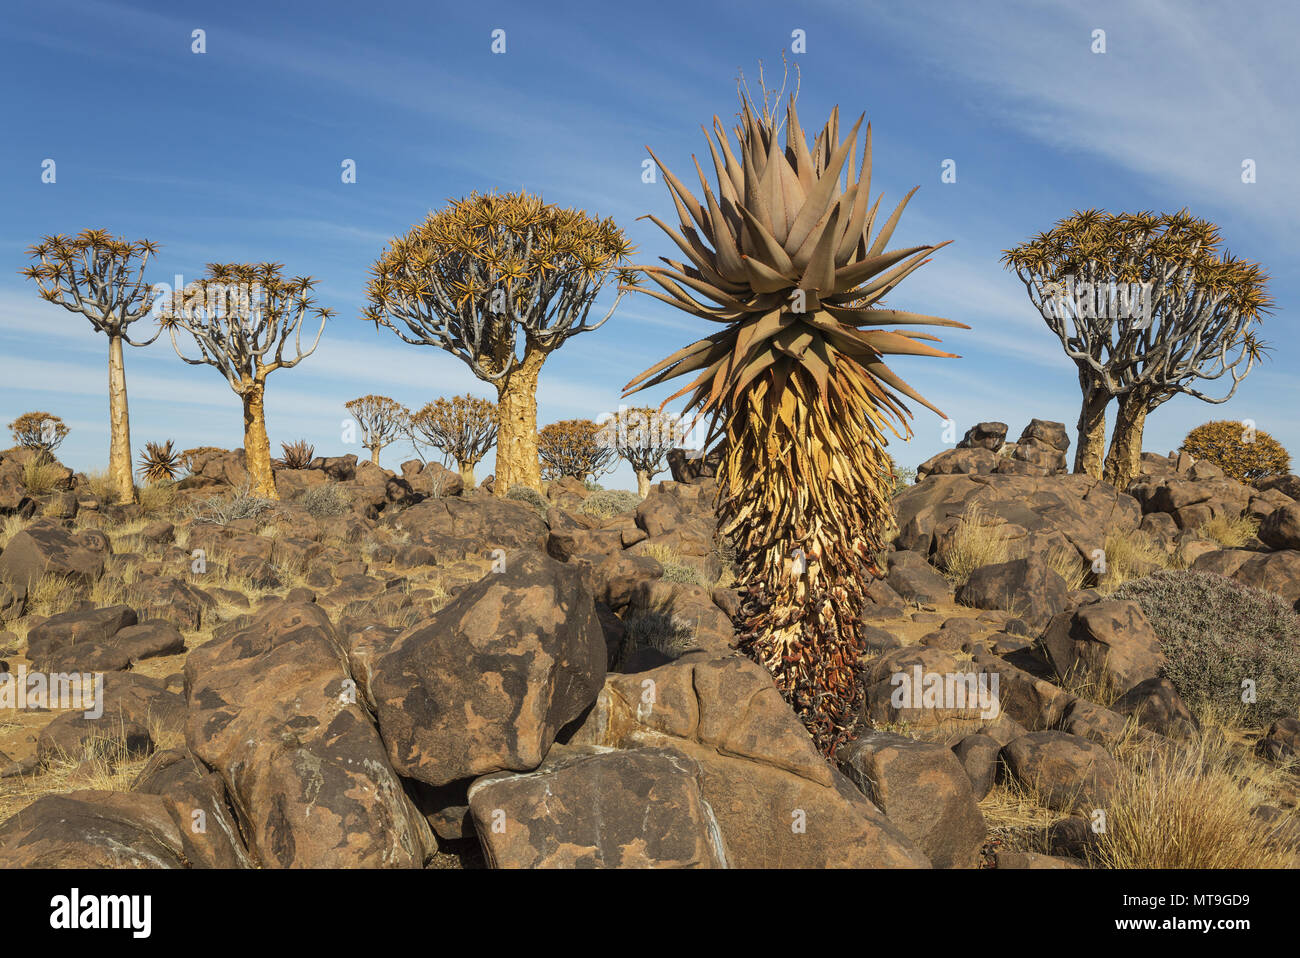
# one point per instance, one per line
(484, 521)
(93, 829)
(923, 789)
(1110, 639)
(1028, 588)
(487, 683)
(274, 709)
(777, 803)
(1281, 530)
(1067, 771)
(198, 804)
(46, 548)
(598, 808)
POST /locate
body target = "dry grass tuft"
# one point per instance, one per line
(1130, 554)
(1229, 532)
(1190, 807)
(977, 540)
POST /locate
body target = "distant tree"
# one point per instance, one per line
(1147, 307)
(159, 462)
(500, 281)
(463, 428)
(382, 420)
(42, 432)
(102, 278)
(1241, 451)
(573, 448)
(643, 436)
(242, 316)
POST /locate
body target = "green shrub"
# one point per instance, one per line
(609, 503)
(1216, 633)
(1243, 454)
(530, 496)
(325, 501)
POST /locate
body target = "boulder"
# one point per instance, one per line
(587, 807)
(1067, 771)
(1155, 704)
(914, 579)
(46, 548)
(1281, 530)
(985, 435)
(1111, 639)
(93, 830)
(923, 789)
(1029, 588)
(274, 710)
(778, 804)
(198, 804)
(487, 683)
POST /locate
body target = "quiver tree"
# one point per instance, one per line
(381, 419)
(102, 278)
(1243, 452)
(41, 432)
(573, 448)
(463, 428)
(796, 382)
(500, 282)
(242, 318)
(1147, 307)
(643, 436)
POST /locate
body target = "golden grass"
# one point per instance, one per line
(100, 486)
(976, 541)
(1067, 563)
(1130, 554)
(1229, 532)
(40, 477)
(157, 500)
(1190, 808)
(10, 526)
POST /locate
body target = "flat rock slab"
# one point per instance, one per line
(598, 808)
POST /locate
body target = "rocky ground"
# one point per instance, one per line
(391, 670)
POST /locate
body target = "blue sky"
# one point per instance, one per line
(234, 155)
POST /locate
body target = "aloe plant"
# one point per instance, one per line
(794, 382)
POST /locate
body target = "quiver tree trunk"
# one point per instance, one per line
(804, 570)
(642, 482)
(257, 447)
(466, 470)
(517, 462)
(1092, 431)
(1124, 460)
(119, 449)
